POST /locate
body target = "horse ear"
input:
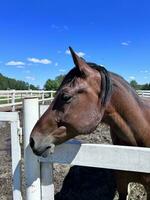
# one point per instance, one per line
(80, 63)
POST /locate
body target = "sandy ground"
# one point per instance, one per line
(101, 135)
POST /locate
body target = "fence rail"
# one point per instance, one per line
(13, 98)
(144, 93)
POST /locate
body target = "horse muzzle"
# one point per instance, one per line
(44, 144)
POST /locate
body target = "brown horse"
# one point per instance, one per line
(88, 95)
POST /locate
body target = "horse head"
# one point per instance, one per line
(78, 106)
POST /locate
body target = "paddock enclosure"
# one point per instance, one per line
(11, 99)
(39, 171)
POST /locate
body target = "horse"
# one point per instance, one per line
(89, 95)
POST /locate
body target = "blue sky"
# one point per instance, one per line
(35, 35)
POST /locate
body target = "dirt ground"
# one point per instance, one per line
(5, 162)
(101, 135)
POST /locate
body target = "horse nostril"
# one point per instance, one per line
(32, 142)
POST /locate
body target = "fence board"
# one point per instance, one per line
(103, 156)
(16, 161)
(47, 186)
(9, 116)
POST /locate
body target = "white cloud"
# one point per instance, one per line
(27, 71)
(15, 63)
(30, 78)
(20, 66)
(132, 77)
(54, 26)
(41, 61)
(60, 28)
(59, 51)
(80, 53)
(125, 43)
(67, 52)
(62, 70)
(144, 71)
(66, 27)
(56, 64)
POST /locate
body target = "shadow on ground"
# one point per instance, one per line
(87, 183)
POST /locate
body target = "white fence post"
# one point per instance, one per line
(47, 185)
(13, 101)
(16, 160)
(8, 98)
(32, 165)
(43, 97)
(52, 95)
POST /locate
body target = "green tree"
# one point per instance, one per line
(10, 83)
(146, 86)
(53, 84)
(134, 84)
(59, 79)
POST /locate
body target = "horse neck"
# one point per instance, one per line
(125, 115)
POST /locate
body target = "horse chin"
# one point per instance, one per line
(49, 150)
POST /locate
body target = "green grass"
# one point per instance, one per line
(5, 101)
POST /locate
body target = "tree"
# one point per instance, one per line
(146, 86)
(134, 84)
(53, 84)
(59, 79)
(10, 83)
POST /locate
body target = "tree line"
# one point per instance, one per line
(10, 83)
(138, 86)
(54, 84)
(51, 84)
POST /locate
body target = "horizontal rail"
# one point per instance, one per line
(103, 156)
(26, 91)
(20, 103)
(9, 116)
(10, 104)
(144, 93)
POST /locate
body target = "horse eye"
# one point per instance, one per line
(66, 98)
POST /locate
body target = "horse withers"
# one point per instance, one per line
(88, 95)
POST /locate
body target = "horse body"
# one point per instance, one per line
(90, 95)
(128, 115)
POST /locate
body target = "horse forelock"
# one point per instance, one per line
(74, 74)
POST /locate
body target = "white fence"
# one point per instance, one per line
(13, 118)
(13, 98)
(144, 93)
(39, 171)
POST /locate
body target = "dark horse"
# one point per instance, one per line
(88, 95)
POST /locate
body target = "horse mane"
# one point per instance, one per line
(106, 81)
